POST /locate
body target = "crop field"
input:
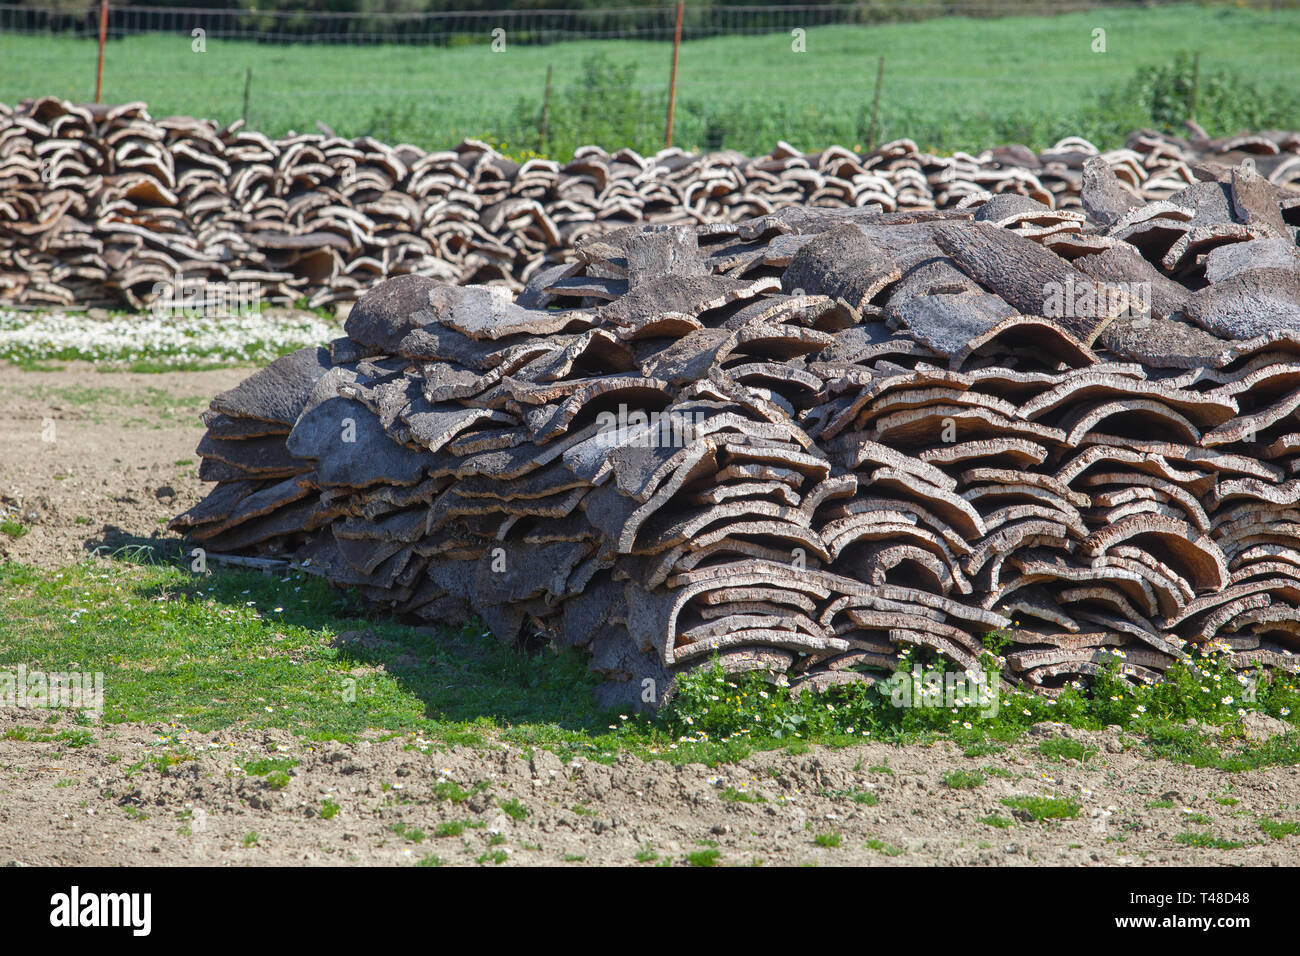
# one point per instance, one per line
(950, 84)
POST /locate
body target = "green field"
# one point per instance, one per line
(950, 83)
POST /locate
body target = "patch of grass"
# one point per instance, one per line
(1277, 829)
(1227, 801)
(1161, 804)
(880, 846)
(1200, 819)
(1062, 748)
(732, 795)
(234, 647)
(727, 84)
(515, 810)
(264, 767)
(964, 779)
(706, 857)
(250, 839)
(430, 859)
(1043, 808)
(828, 840)
(1187, 745)
(411, 834)
(495, 857)
(573, 858)
(329, 809)
(997, 822)
(14, 529)
(1001, 772)
(449, 790)
(646, 854)
(1206, 841)
(450, 828)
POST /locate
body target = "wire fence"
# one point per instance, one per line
(455, 28)
(957, 76)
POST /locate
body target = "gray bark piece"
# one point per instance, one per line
(1163, 343)
(371, 458)
(489, 313)
(1255, 203)
(1224, 262)
(527, 571)
(1022, 272)
(1125, 264)
(938, 276)
(843, 264)
(690, 296)
(1249, 304)
(224, 426)
(217, 506)
(948, 323)
(654, 254)
(278, 392)
(383, 316)
(1104, 199)
(1211, 204)
(255, 455)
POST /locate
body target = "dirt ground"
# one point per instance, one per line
(122, 462)
(106, 804)
(90, 458)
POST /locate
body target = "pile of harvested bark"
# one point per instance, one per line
(808, 439)
(107, 206)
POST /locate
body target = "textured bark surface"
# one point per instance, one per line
(103, 207)
(906, 452)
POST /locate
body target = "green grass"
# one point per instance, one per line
(1206, 841)
(1189, 746)
(515, 810)
(14, 529)
(964, 779)
(1043, 808)
(1278, 829)
(997, 821)
(233, 647)
(706, 857)
(949, 83)
(1060, 748)
(329, 809)
(880, 846)
(828, 840)
(239, 648)
(410, 834)
(732, 795)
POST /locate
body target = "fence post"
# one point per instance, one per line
(672, 83)
(1196, 82)
(103, 35)
(875, 104)
(546, 113)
